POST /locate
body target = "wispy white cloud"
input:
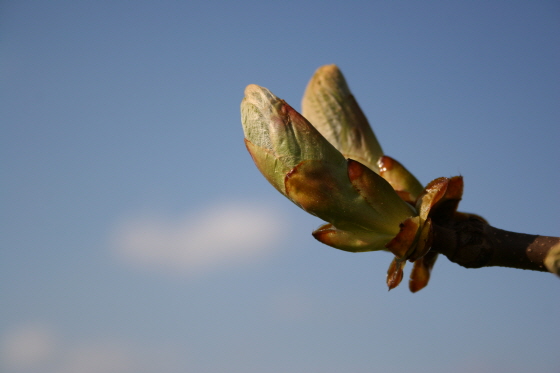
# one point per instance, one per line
(28, 347)
(37, 348)
(216, 237)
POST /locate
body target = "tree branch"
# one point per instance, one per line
(472, 243)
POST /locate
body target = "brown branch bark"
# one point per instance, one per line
(472, 243)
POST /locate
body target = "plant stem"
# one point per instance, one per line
(473, 243)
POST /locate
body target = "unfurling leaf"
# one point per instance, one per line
(363, 210)
(333, 110)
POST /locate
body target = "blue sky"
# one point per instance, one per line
(137, 235)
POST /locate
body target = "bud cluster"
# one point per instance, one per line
(329, 163)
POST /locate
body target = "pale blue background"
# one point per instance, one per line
(111, 110)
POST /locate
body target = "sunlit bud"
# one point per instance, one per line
(333, 110)
(362, 208)
(279, 138)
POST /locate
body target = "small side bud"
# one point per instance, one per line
(404, 183)
(395, 273)
(421, 271)
(356, 241)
